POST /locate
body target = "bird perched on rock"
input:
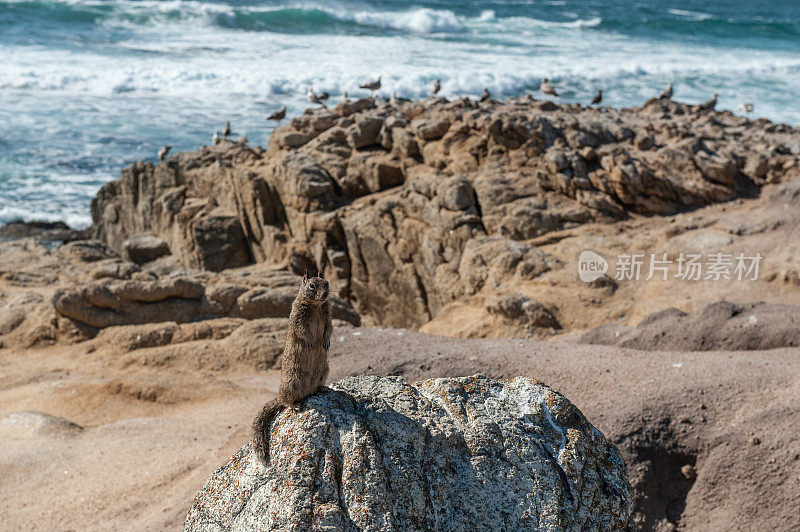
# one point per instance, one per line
(227, 131)
(216, 138)
(324, 96)
(747, 107)
(162, 153)
(598, 97)
(278, 115)
(710, 104)
(372, 86)
(315, 98)
(437, 86)
(486, 95)
(547, 88)
(666, 94)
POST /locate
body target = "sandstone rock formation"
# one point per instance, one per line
(445, 454)
(83, 290)
(184, 298)
(144, 249)
(408, 208)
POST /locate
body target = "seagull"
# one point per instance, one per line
(227, 130)
(278, 115)
(547, 88)
(437, 86)
(162, 153)
(324, 96)
(666, 94)
(314, 98)
(486, 95)
(371, 86)
(710, 104)
(598, 97)
(746, 107)
(216, 138)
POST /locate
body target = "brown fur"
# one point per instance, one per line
(304, 366)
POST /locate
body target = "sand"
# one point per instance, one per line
(152, 436)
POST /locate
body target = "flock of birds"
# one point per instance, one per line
(546, 87)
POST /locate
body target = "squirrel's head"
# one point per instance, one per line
(314, 288)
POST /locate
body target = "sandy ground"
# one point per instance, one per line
(152, 436)
(137, 463)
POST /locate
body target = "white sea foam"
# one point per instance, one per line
(417, 21)
(486, 15)
(693, 15)
(281, 65)
(77, 220)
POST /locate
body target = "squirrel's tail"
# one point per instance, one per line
(261, 428)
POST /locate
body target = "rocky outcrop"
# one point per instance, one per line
(83, 290)
(46, 231)
(719, 326)
(183, 298)
(143, 249)
(444, 454)
(390, 200)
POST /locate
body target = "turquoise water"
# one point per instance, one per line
(87, 86)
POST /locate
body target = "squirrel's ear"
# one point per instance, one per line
(305, 276)
(319, 274)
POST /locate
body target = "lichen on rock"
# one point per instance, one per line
(467, 453)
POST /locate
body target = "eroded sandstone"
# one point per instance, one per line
(390, 201)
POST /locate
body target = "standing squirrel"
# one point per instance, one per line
(304, 366)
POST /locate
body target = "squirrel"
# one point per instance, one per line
(304, 366)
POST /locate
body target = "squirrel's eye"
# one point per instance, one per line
(311, 286)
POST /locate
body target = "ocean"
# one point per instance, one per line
(88, 86)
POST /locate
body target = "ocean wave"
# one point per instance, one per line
(282, 68)
(587, 23)
(733, 29)
(298, 17)
(518, 21)
(43, 213)
(693, 15)
(306, 17)
(421, 20)
(340, 17)
(321, 19)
